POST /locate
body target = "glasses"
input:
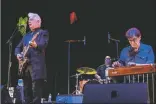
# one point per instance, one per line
(133, 40)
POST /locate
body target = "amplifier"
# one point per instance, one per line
(116, 93)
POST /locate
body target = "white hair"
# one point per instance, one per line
(34, 16)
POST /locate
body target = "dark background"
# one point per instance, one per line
(95, 19)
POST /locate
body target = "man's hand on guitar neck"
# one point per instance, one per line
(33, 44)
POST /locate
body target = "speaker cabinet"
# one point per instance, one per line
(116, 93)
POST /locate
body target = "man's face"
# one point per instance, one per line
(33, 24)
(134, 42)
(107, 61)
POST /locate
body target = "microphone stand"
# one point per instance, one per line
(117, 50)
(10, 51)
(68, 67)
(69, 41)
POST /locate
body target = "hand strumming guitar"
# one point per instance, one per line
(19, 57)
(33, 44)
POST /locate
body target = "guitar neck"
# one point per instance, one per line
(26, 50)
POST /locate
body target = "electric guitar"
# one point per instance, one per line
(23, 62)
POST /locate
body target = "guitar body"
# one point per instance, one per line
(22, 65)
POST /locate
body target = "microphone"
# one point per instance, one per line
(84, 41)
(108, 37)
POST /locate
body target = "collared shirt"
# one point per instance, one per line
(145, 55)
(25, 42)
(27, 38)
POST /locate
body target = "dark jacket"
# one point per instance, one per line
(36, 55)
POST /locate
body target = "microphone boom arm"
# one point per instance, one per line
(72, 41)
(114, 40)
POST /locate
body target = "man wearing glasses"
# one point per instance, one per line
(136, 53)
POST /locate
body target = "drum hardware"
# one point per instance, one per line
(88, 75)
(86, 70)
(107, 80)
(77, 92)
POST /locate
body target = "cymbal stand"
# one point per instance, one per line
(77, 84)
(69, 45)
(77, 92)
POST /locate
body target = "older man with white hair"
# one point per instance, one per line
(34, 72)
